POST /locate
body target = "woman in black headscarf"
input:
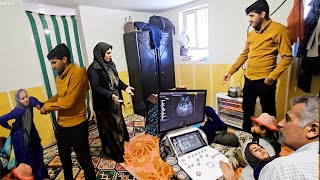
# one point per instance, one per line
(257, 157)
(107, 100)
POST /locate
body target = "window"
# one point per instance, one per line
(195, 22)
(306, 7)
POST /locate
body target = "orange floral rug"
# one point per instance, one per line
(142, 159)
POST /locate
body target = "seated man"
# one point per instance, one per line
(300, 132)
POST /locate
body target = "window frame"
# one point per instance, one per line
(194, 10)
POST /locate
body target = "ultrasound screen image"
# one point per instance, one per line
(180, 108)
(185, 106)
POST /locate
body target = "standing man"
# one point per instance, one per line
(72, 131)
(264, 43)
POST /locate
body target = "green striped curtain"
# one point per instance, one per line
(49, 31)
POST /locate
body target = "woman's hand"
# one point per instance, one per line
(116, 99)
(129, 90)
(38, 107)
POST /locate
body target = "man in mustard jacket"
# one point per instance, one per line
(72, 128)
(264, 43)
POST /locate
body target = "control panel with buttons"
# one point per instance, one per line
(202, 164)
(193, 156)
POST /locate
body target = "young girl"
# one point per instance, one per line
(24, 135)
(257, 157)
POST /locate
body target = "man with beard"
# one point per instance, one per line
(264, 43)
(72, 127)
(300, 132)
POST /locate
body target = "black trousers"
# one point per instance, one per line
(267, 94)
(77, 138)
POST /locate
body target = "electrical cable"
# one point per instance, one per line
(278, 8)
(270, 14)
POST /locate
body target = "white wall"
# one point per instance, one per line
(47, 9)
(105, 25)
(19, 67)
(227, 26)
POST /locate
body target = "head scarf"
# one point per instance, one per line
(250, 158)
(99, 52)
(17, 98)
(26, 118)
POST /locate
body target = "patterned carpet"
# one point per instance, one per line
(143, 160)
(105, 168)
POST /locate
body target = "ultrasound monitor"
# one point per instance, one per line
(180, 108)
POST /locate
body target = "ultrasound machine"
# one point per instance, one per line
(184, 146)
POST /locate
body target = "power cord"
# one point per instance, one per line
(270, 14)
(278, 8)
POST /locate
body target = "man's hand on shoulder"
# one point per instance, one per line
(43, 110)
(268, 81)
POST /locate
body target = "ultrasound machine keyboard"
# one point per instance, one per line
(195, 157)
(202, 164)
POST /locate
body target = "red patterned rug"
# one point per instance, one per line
(142, 159)
(106, 169)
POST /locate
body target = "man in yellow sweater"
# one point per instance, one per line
(72, 128)
(264, 43)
